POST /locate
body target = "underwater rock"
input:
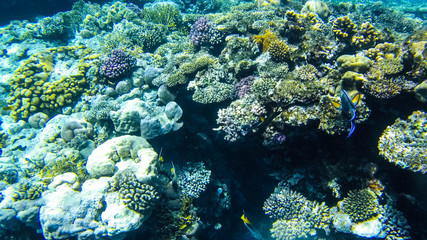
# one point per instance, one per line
(73, 128)
(126, 119)
(38, 120)
(165, 94)
(93, 213)
(421, 91)
(103, 160)
(8, 220)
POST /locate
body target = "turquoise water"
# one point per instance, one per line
(214, 119)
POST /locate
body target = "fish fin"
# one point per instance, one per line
(356, 99)
(245, 219)
(336, 104)
(353, 127)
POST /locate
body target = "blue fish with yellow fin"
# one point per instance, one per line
(255, 233)
(348, 106)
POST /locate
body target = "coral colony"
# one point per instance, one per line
(168, 119)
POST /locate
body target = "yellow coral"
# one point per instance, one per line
(366, 36)
(343, 28)
(264, 3)
(33, 90)
(265, 40)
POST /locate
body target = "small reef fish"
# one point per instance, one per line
(255, 233)
(348, 106)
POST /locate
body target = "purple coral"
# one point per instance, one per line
(243, 87)
(200, 31)
(203, 32)
(118, 64)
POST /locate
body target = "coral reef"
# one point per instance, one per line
(404, 142)
(297, 216)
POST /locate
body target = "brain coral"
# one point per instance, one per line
(405, 142)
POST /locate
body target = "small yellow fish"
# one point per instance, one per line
(261, 119)
(245, 219)
(161, 159)
(173, 171)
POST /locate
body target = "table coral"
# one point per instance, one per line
(404, 143)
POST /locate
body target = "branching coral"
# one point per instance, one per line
(404, 143)
(344, 28)
(193, 179)
(297, 216)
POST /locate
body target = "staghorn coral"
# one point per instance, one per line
(360, 205)
(279, 51)
(404, 143)
(136, 195)
(193, 179)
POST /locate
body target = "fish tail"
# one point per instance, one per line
(353, 127)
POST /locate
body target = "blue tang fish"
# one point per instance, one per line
(348, 106)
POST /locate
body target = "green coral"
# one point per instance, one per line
(360, 205)
(353, 63)
(405, 142)
(166, 13)
(188, 69)
(136, 195)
